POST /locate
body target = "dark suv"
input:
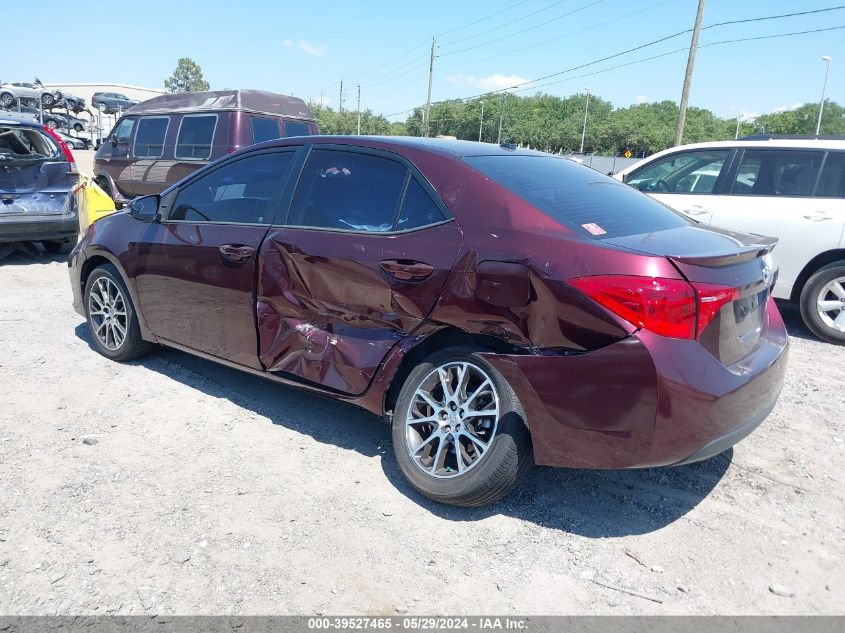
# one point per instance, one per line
(111, 102)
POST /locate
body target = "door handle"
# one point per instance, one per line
(817, 217)
(697, 211)
(406, 269)
(238, 253)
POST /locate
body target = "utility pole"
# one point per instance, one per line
(584, 131)
(827, 59)
(359, 109)
(427, 113)
(501, 117)
(481, 121)
(682, 115)
(340, 99)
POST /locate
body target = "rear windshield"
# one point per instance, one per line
(21, 144)
(578, 197)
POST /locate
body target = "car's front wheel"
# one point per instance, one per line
(7, 100)
(459, 432)
(47, 99)
(823, 303)
(112, 319)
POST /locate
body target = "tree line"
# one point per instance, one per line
(555, 124)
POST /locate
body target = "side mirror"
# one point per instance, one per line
(145, 209)
(113, 140)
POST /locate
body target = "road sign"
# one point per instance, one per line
(628, 153)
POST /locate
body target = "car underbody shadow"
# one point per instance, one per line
(593, 503)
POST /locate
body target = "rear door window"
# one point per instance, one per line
(246, 191)
(264, 129)
(149, 139)
(684, 172)
(777, 173)
(196, 134)
(832, 180)
(418, 209)
(348, 191)
(297, 128)
(577, 197)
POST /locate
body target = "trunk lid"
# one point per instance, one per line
(733, 273)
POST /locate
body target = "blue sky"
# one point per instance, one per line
(307, 48)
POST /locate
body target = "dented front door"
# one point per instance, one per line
(331, 305)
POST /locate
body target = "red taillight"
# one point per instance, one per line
(669, 307)
(65, 149)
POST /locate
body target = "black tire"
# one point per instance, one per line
(502, 464)
(78, 127)
(132, 346)
(51, 123)
(47, 99)
(810, 297)
(60, 247)
(7, 100)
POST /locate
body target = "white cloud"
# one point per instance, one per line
(496, 81)
(306, 47)
(641, 99)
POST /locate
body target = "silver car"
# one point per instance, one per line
(11, 93)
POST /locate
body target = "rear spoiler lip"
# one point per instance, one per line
(762, 247)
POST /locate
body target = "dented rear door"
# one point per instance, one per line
(333, 301)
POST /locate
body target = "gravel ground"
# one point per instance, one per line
(172, 485)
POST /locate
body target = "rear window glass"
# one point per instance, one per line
(777, 173)
(578, 197)
(195, 136)
(149, 139)
(297, 128)
(832, 181)
(418, 209)
(264, 129)
(19, 144)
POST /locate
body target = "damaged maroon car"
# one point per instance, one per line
(498, 307)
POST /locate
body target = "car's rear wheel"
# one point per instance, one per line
(823, 303)
(7, 100)
(51, 123)
(47, 99)
(60, 247)
(112, 319)
(459, 432)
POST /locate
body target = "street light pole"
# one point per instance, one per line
(826, 58)
(481, 122)
(584, 131)
(501, 117)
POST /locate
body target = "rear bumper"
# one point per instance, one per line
(36, 228)
(645, 401)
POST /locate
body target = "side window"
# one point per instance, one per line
(777, 173)
(196, 133)
(123, 130)
(418, 209)
(348, 191)
(684, 172)
(297, 128)
(264, 129)
(832, 181)
(149, 139)
(246, 191)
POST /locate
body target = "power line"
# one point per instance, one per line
(374, 81)
(525, 30)
(503, 26)
(392, 61)
(492, 15)
(631, 63)
(561, 37)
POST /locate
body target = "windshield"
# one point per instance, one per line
(20, 144)
(578, 197)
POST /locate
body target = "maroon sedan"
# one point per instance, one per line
(498, 307)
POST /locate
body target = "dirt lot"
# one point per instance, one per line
(209, 491)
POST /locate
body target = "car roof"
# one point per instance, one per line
(13, 118)
(455, 148)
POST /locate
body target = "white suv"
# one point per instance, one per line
(789, 188)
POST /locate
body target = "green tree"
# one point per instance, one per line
(186, 78)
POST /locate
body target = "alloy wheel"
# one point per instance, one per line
(831, 304)
(452, 419)
(107, 312)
